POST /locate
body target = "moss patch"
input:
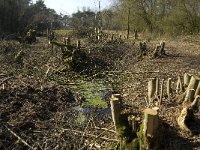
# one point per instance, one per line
(95, 103)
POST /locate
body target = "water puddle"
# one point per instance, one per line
(93, 90)
(97, 93)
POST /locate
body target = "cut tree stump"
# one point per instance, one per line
(179, 86)
(169, 88)
(197, 92)
(189, 96)
(116, 111)
(150, 129)
(184, 118)
(133, 123)
(187, 114)
(143, 48)
(150, 122)
(191, 89)
(151, 89)
(190, 104)
(118, 96)
(161, 90)
(157, 87)
(193, 83)
(162, 48)
(196, 103)
(156, 51)
(186, 79)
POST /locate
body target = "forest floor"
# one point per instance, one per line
(183, 56)
(40, 110)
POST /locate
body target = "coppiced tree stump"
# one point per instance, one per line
(186, 79)
(115, 110)
(161, 90)
(133, 123)
(193, 84)
(156, 51)
(189, 104)
(157, 87)
(118, 96)
(151, 89)
(189, 96)
(197, 92)
(162, 48)
(187, 114)
(179, 86)
(150, 123)
(184, 118)
(196, 103)
(143, 48)
(169, 88)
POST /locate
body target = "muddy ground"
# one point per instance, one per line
(40, 111)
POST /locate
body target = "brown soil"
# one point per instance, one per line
(40, 108)
(183, 56)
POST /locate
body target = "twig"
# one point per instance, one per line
(94, 140)
(85, 130)
(131, 72)
(19, 138)
(6, 79)
(90, 135)
(105, 129)
(2, 75)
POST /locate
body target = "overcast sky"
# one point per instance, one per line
(70, 6)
